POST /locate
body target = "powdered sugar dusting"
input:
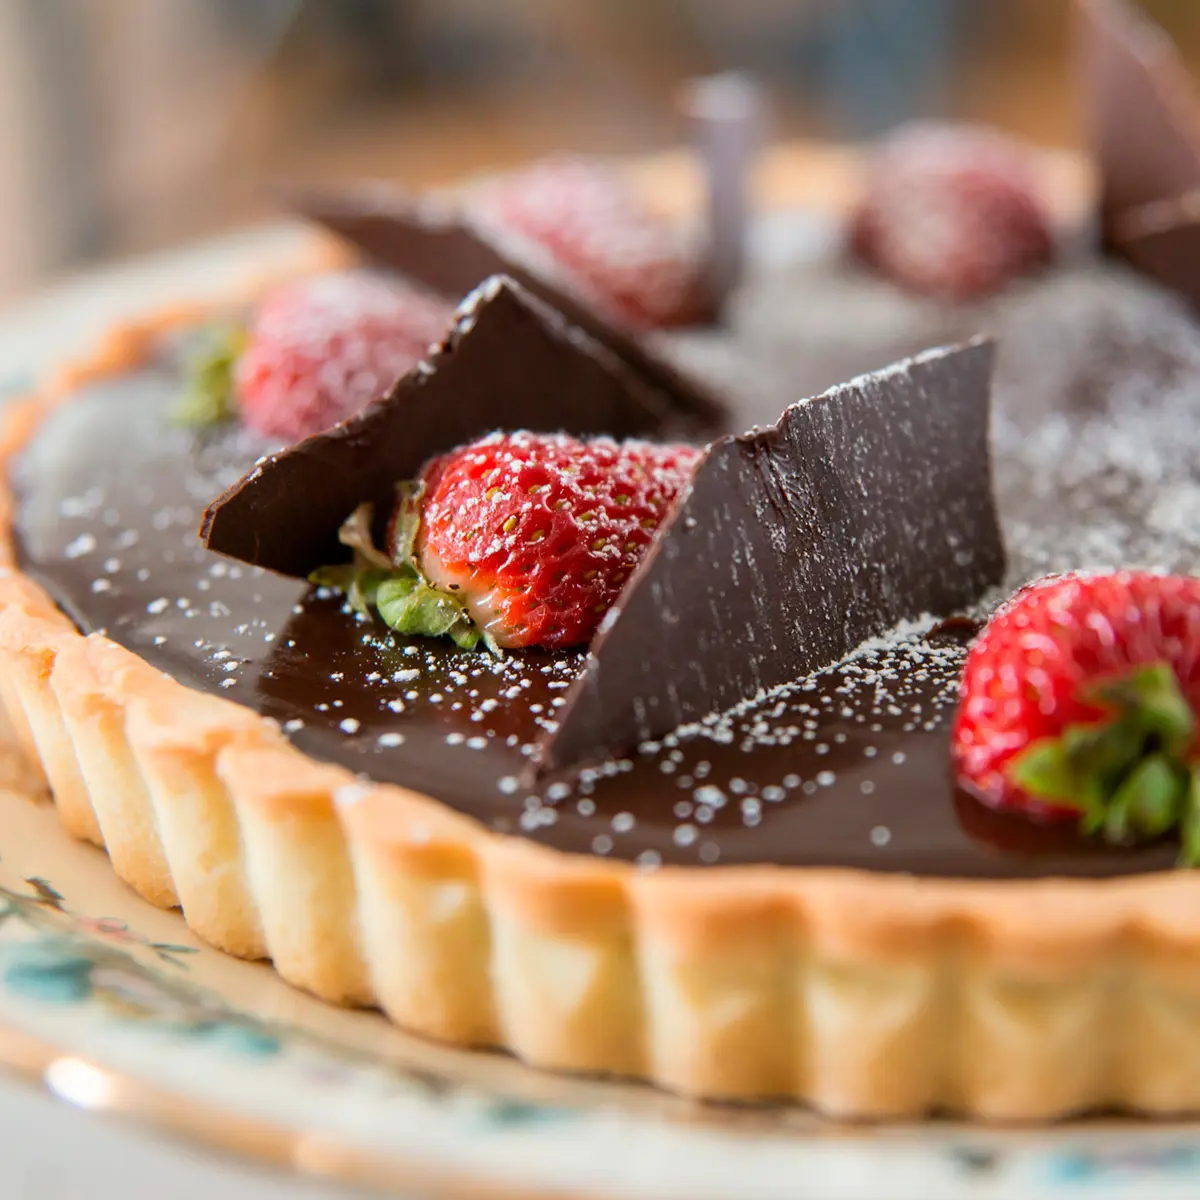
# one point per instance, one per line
(1095, 428)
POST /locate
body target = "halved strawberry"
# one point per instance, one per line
(634, 264)
(522, 539)
(1080, 701)
(952, 210)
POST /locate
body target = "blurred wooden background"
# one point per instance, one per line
(131, 124)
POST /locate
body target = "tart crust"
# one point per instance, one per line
(867, 996)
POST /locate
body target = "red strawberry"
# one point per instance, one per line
(321, 349)
(1079, 700)
(533, 535)
(952, 210)
(626, 260)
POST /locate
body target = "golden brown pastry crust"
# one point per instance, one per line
(867, 996)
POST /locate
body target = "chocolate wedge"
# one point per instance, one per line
(436, 245)
(1162, 240)
(861, 508)
(509, 362)
(1143, 111)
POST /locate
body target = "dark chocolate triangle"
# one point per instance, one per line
(863, 507)
(1143, 109)
(509, 362)
(1162, 240)
(435, 245)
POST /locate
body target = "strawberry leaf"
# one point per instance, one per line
(1151, 797)
(407, 523)
(340, 577)
(356, 534)
(361, 579)
(1151, 697)
(1129, 774)
(397, 591)
(1189, 836)
(1044, 770)
(209, 396)
(410, 605)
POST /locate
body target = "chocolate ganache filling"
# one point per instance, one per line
(1096, 431)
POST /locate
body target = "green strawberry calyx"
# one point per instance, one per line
(1132, 775)
(394, 586)
(209, 397)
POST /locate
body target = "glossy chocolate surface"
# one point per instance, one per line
(1097, 433)
(818, 559)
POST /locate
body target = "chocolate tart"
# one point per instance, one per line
(788, 902)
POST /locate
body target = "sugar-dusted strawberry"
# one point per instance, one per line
(1080, 700)
(952, 210)
(522, 539)
(316, 351)
(537, 533)
(582, 221)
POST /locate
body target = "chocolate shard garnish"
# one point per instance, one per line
(432, 242)
(725, 123)
(1143, 110)
(863, 507)
(1162, 240)
(509, 362)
